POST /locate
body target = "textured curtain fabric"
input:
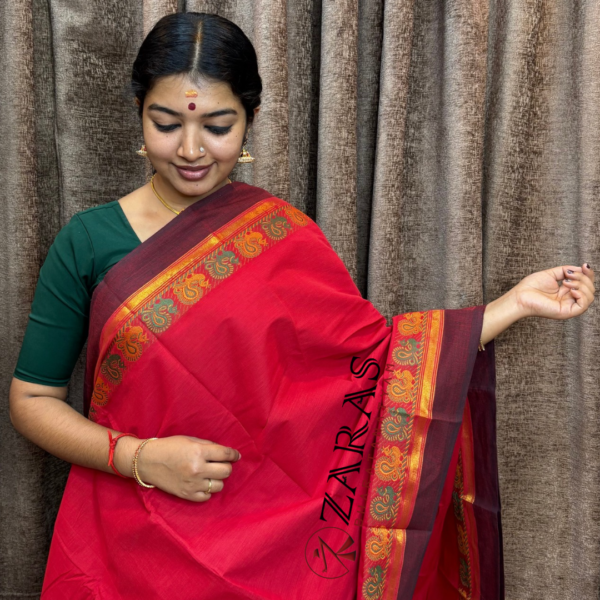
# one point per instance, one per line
(447, 149)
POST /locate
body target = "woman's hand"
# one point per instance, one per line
(180, 465)
(540, 295)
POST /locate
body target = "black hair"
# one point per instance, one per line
(200, 44)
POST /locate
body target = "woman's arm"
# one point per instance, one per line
(40, 413)
(179, 465)
(540, 295)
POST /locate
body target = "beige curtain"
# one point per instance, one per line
(446, 148)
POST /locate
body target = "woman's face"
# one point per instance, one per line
(181, 116)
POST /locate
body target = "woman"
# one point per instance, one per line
(276, 439)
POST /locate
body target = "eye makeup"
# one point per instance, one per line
(165, 128)
(212, 128)
(219, 130)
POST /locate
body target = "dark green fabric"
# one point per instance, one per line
(84, 250)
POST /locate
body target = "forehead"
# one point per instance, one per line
(172, 90)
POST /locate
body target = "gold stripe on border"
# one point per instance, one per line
(469, 491)
(467, 500)
(395, 568)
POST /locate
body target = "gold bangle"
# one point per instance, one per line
(135, 459)
(481, 346)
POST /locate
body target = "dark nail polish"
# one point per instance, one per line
(569, 272)
(588, 265)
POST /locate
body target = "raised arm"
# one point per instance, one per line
(558, 293)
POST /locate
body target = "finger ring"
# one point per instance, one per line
(209, 486)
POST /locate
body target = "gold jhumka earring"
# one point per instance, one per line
(142, 151)
(245, 155)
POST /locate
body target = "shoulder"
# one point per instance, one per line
(261, 194)
(111, 223)
(93, 214)
(76, 243)
(77, 233)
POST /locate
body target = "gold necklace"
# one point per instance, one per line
(158, 196)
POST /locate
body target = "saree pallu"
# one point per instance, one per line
(368, 464)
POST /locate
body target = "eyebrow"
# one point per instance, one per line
(216, 113)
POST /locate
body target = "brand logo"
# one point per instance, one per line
(329, 552)
(348, 442)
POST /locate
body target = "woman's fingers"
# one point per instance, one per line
(580, 290)
(579, 281)
(582, 294)
(570, 272)
(580, 276)
(200, 497)
(217, 470)
(587, 270)
(218, 453)
(213, 476)
(217, 485)
(581, 301)
(201, 494)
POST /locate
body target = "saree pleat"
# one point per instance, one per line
(360, 473)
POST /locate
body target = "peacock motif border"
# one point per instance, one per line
(404, 421)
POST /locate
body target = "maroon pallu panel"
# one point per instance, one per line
(487, 501)
(461, 336)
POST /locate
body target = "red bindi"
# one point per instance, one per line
(192, 106)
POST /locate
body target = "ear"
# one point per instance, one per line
(254, 116)
(250, 124)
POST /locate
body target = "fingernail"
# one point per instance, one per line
(240, 455)
(587, 265)
(569, 272)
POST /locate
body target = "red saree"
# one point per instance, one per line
(368, 463)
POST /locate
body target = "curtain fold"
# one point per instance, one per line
(446, 149)
(540, 204)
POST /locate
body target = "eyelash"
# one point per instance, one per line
(214, 129)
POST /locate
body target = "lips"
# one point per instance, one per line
(193, 173)
(196, 168)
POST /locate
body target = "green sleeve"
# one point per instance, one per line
(58, 322)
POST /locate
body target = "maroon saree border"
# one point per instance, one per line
(486, 508)
(462, 330)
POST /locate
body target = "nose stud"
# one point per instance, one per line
(202, 149)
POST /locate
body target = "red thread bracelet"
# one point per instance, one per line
(111, 450)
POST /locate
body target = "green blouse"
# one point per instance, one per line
(91, 243)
